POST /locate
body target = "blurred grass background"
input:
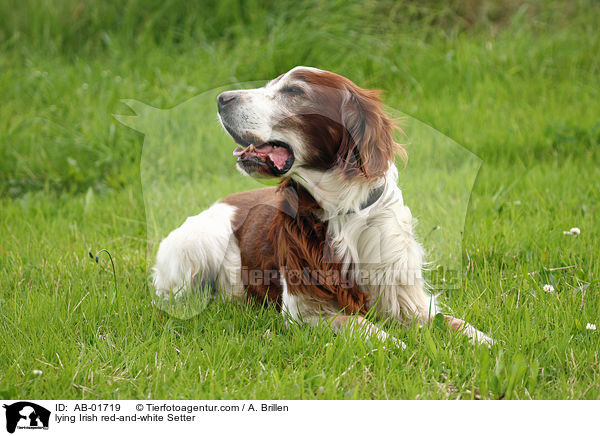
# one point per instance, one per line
(525, 70)
(515, 82)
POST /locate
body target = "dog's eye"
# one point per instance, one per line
(292, 90)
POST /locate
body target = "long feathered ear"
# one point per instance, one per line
(367, 147)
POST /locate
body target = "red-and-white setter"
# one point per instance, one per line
(334, 239)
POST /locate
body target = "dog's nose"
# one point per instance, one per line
(226, 97)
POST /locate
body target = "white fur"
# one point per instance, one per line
(475, 335)
(333, 192)
(289, 304)
(202, 249)
(378, 242)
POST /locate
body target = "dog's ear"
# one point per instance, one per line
(367, 147)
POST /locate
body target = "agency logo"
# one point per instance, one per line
(26, 415)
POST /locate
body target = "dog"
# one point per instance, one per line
(333, 240)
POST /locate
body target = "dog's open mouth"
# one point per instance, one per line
(276, 155)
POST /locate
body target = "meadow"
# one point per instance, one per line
(515, 83)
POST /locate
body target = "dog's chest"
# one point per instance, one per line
(375, 240)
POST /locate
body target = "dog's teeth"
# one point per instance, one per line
(251, 148)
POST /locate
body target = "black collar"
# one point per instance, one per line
(374, 195)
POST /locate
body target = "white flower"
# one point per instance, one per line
(37, 372)
(548, 288)
(574, 231)
(590, 326)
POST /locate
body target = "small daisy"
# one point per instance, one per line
(548, 288)
(39, 371)
(574, 231)
(590, 326)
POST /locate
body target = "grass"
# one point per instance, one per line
(515, 83)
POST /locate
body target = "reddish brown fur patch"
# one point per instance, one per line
(252, 222)
(276, 229)
(349, 130)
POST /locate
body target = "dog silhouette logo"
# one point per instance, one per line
(26, 415)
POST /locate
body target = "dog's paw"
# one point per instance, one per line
(398, 343)
(386, 337)
(480, 338)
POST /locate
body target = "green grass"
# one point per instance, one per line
(516, 84)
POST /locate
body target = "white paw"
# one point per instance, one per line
(480, 338)
(383, 337)
(398, 343)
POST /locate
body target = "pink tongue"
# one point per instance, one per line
(278, 155)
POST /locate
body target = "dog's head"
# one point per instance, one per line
(308, 118)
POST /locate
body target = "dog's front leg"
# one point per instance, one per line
(292, 311)
(463, 327)
(359, 325)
